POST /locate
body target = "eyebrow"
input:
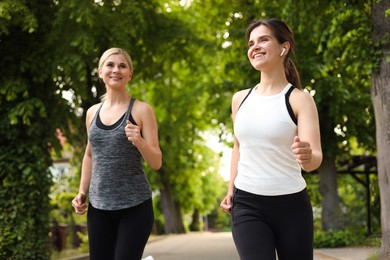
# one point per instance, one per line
(260, 37)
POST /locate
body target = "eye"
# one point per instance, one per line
(110, 64)
(264, 39)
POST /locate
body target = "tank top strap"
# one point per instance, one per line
(97, 112)
(288, 105)
(247, 95)
(128, 112)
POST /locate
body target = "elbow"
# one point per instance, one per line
(313, 165)
(156, 165)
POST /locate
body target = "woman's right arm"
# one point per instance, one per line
(226, 203)
(79, 202)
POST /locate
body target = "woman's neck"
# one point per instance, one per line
(117, 97)
(271, 83)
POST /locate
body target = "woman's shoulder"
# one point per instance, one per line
(301, 100)
(142, 110)
(91, 112)
(93, 109)
(141, 106)
(239, 96)
(301, 95)
(241, 93)
(237, 99)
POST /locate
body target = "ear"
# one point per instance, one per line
(100, 73)
(283, 51)
(285, 48)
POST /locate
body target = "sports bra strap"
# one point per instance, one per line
(245, 98)
(288, 105)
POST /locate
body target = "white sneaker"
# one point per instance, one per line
(149, 257)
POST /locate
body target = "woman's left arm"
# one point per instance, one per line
(307, 145)
(147, 142)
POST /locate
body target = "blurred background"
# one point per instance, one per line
(189, 58)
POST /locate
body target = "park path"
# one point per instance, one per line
(220, 246)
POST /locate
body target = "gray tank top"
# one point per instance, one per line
(118, 180)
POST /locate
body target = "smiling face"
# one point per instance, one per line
(263, 49)
(115, 70)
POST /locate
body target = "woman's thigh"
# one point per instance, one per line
(134, 230)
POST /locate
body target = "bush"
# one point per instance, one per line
(24, 207)
(336, 238)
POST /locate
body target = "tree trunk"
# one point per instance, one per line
(331, 216)
(380, 95)
(173, 221)
(195, 223)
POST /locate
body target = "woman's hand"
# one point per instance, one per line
(133, 133)
(78, 203)
(301, 150)
(226, 204)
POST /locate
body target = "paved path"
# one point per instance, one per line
(196, 246)
(347, 253)
(220, 246)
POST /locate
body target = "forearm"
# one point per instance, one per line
(233, 167)
(86, 173)
(151, 154)
(314, 163)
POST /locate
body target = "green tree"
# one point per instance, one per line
(380, 94)
(29, 115)
(49, 50)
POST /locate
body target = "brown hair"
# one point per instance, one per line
(283, 34)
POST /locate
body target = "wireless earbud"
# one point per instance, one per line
(281, 54)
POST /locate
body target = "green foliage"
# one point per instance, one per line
(189, 60)
(29, 116)
(344, 238)
(353, 199)
(335, 238)
(24, 208)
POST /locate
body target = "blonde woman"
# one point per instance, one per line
(121, 132)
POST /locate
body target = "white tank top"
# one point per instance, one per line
(265, 131)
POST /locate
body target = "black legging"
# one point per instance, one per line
(119, 234)
(263, 224)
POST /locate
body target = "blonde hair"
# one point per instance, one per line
(114, 51)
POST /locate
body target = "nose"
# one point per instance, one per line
(256, 47)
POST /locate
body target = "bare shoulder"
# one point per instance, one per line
(92, 110)
(238, 97)
(142, 113)
(141, 107)
(301, 94)
(91, 113)
(300, 99)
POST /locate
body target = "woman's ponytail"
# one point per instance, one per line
(292, 73)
